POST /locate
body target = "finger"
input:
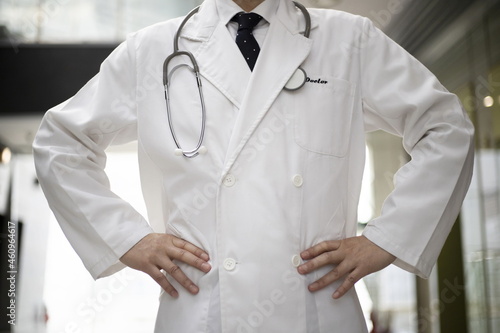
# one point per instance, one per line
(348, 283)
(325, 281)
(185, 245)
(176, 272)
(327, 258)
(335, 274)
(161, 279)
(320, 248)
(189, 258)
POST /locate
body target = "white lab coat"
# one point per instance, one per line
(283, 169)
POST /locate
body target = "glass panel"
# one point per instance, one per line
(77, 21)
(481, 211)
(471, 69)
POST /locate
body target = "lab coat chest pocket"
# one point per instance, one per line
(323, 113)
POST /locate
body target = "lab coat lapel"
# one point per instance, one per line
(283, 52)
(216, 52)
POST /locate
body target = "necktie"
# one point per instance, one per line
(244, 37)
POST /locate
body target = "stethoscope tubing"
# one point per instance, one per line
(166, 82)
(196, 70)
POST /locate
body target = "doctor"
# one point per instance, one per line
(257, 232)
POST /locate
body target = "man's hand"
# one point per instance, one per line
(354, 258)
(156, 251)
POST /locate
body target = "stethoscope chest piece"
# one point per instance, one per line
(297, 80)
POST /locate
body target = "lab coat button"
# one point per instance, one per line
(203, 150)
(229, 264)
(230, 180)
(297, 180)
(296, 260)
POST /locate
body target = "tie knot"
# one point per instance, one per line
(246, 20)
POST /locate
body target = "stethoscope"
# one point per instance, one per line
(296, 81)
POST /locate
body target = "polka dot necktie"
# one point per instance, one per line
(244, 37)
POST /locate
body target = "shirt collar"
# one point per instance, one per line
(227, 9)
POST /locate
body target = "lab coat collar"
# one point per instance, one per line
(202, 26)
(293, 19)
(217, 54)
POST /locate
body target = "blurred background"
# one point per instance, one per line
(50, 48)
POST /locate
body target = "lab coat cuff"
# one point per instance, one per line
(110, 263)
(405, 259)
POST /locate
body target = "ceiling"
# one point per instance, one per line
(382, 12)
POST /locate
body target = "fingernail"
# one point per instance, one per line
(174, 294)
(313, 286)
(205, 267)
(336, 295)
(205, 257)
(193, 289)
(301, 269)
(305, 255)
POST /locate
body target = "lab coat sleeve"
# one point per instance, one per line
(69, 152)
(401, 96)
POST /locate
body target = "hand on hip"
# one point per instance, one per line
(156, 252)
